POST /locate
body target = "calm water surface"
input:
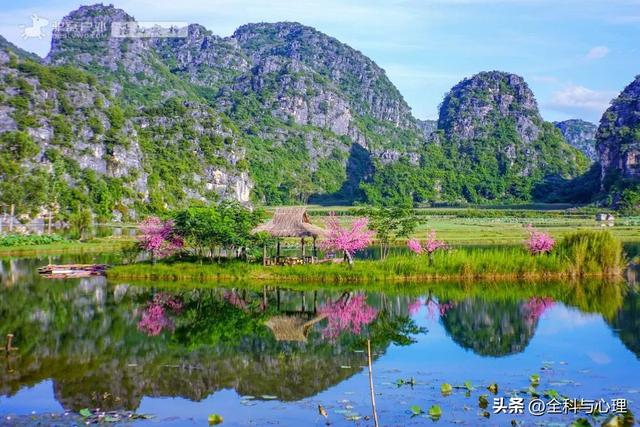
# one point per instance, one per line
(270, 356)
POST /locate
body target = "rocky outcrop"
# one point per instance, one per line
(86, 142)
(618, 136)
(288, 87)
(581, 135)
(499, 146)
(474, 106)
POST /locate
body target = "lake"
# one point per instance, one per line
(268, 355)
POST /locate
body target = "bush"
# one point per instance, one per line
(29, 240)
(592, 252)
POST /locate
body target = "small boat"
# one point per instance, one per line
(72, 271)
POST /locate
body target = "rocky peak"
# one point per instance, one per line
(581, 135)
(474, 106)
(366, 84)
(618, 136)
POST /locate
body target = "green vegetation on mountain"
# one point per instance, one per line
(274, 114)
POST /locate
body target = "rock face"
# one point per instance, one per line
(473, 107)
(490, 128)
(618, 137)
(581, 135)
(80, 146)
(294, 92)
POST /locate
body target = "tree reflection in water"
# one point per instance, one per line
(348, 314)
(494, 328)
(108, 346)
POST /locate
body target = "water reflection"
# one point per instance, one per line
(108, 345)
(626, 323)
(494, 328)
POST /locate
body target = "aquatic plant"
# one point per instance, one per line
(349, 240)
(539, 242)
(159, 238)
(592, 251)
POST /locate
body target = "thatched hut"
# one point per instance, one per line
(291, 222)
(292, 328)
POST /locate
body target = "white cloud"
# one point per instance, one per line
(597, 52)
(581, 98)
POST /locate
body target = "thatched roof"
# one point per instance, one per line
(291, 328)
(290, 222)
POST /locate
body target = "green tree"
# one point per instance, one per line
(390, 224)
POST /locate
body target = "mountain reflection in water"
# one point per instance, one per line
(109, 345)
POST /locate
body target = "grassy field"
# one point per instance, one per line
(500, 225)
(67, 247)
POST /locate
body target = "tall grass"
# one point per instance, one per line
(592, 252)
(580, 254)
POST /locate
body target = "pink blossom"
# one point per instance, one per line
(432, 244)
(159, 237)
(435, 308)
(414, 246)
(155, 318)
(539, 242)
(347, 315)
(350, 240)
(535, 307)
(414, 306)
(234, 299)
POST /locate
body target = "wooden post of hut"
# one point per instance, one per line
(291, 222)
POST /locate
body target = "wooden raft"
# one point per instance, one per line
(71, 271)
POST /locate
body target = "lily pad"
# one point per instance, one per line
(493, 388)
(435, 412)
(534, 379)
(415, 410)
(468, 386)
(483, 401)
(85, 413)
(446, 389)
(215, 419)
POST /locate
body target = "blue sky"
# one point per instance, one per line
(575, 55)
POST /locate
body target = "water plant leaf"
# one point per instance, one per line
(468, 386)
(625, 419)
(533, 392)
(483, 401)
(415, 410)
(446, 389)
(535, 379)
(215, 419)
(581, 422)
(435, 412)
(551, 393)
(110, 419)
(493, 388)
(85, 413)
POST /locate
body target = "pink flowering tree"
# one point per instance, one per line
(348, 314)
(539, 242)
(431, 245)
(349, 240)
(155, 317)
(159, 238)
